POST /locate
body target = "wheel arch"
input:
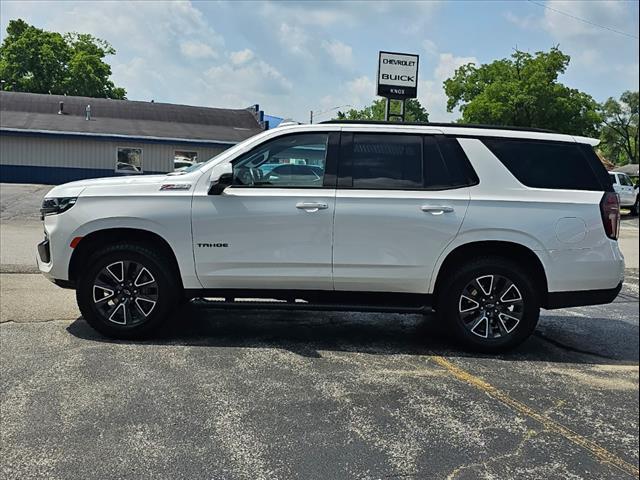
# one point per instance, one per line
(519, 253)
(98, 238)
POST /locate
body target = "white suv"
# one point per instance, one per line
(473, 222)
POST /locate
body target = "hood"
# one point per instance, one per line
(74, 189)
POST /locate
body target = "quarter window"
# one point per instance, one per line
(129, 160)
(288, 161)
(546, 164)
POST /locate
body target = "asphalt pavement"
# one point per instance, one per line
(309, 395)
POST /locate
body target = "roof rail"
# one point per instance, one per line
(443, 124)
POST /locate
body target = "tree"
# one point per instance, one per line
(414, 111)
(523, 91)
(619, 136)
(37, 61)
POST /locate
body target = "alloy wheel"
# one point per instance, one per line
(125, 293)
(491, 306)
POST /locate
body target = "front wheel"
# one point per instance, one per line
(491, 304)
(127, 291)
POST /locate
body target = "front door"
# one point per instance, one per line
(273, 228)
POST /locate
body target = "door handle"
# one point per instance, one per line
(436, 209)
(311, 206)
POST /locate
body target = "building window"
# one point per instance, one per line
(129, 160)
(184, 158)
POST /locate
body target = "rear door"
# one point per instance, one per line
(398, 204)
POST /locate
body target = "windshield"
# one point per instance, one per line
(195, 166)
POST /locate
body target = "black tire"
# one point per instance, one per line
(152, 303)
(502, 330)
(636, 206)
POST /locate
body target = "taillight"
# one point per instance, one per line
(610, 210)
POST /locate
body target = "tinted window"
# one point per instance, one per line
(625, 180)
(541, 164)
(288, 161)
(614, 180)
(460, 169)
(386, 161)
(436, 173)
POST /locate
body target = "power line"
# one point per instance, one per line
(619, 32)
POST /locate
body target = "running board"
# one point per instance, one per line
(324, 307)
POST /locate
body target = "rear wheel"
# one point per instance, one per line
(491, 304)
(127, 291)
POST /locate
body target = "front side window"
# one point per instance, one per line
(129, 160)
(386, 161)
(626, 181)
(290, 161)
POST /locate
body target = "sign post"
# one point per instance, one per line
(397, 79)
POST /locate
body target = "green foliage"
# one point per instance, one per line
(523, 91)
(415, 112)
(37, 61)
(619, 136)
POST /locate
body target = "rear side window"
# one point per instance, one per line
(555, 165)
(386, 161)
(460, 170)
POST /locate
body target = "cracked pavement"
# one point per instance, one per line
(312, 395)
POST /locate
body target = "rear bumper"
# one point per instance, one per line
(582, 297)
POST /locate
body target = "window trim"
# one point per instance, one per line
(130, 172)
(330, 161)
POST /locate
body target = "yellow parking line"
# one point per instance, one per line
(596, 450)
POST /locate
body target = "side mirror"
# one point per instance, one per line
(219, 170)
(223, 182)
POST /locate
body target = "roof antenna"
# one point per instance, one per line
(87, 112)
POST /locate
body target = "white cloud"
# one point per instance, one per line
(197, 50)
(307, 13)
(525, 23)
(431, 90)
(254, 78)
(449, 63)
(293, 38)
(430, 47)
(241, 57)
(362, 90)
(613, 14)
(341, 53)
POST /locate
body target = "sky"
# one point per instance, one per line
(293, 57)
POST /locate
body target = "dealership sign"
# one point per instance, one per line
(397, 75)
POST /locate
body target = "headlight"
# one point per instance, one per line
(54, 206)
